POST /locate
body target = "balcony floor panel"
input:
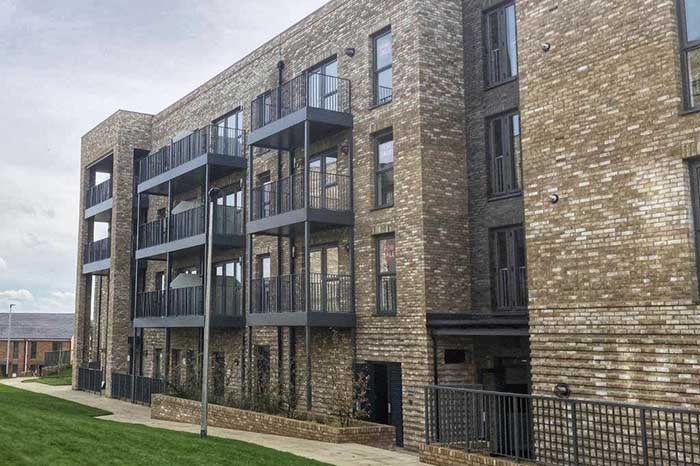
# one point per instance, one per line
(102, 212)
(282, 224)
(197, 241)
(97, 268)
(191, 174)
(479, 324)
(188, 322)
(288, 132)
(301, 319)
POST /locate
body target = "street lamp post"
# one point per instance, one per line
(213, 196)
(9, 333)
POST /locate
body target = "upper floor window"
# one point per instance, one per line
(384, 170)
(689, 13)
(323, 85)
(695, 198)
(32, 350)
(382, 66)
(228, 139)
(386, 275)
(504, 154)
(500, 42)
(509, 268)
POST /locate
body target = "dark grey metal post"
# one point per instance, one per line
(136, 298)
(167, 354)
(307, 263)
(249, 330)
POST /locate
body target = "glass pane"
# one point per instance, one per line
(315, 165)
(331, 168)
(694, 77)
(517, 166)
(385, 154)
(385, 188)
(387, 256)
(331, 69)
(265, 267)
(316, 258)
(502, 250)
(692, 19)
(332, 261)
(511, 41)
(384, 82)
(382, 51)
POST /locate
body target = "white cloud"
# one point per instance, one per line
(3, 265)
(19, 295)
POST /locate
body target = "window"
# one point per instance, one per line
(323, 181)
(323, 85)
(262, 368)
(228, 139)
(264, 269)
(227, 289)
(175, 362)
(266, 194)
(229, 217)
(56, 346)
(15, 349)
(504, 152)
(382, 67)
(689, 15)
(157, 361)
(326, 292)
(694, 166)
(500, 42)
(386, 275)
(384, 170)
(455, 356)
(160, 281)
(32, 350)
(218, 375)
(509, 272)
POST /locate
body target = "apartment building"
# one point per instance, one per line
(37, 340)
(375, 200)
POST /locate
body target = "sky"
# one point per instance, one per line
(67, 65)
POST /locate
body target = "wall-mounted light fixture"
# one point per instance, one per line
(562, 390)
(350, 52)
(546, 46)
(553, 198)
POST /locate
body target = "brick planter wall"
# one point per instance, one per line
(440, 456)
(169, 408)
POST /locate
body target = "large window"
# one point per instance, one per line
(326, 286)
(228, 288)
(500, 44)
(323, 181)
(695, 198)
(509, 272)
(504, 152)
(228, 139)
(382, 66)
(386, 275)
(32, 350)
(384, 170)
(15, 349)
(157, 362)
(689, 14)
(323, 85)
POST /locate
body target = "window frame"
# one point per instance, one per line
(379, 275)
(694, 171)
(33, 349)
(511, 251)
(485, 26)
(512, 158)
(376, 101)
(379, 139)
(238, 128)
(685, 47)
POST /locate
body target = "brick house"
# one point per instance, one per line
(32, 336)
(379, 209)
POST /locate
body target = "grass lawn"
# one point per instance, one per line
(62, 378)
(42, 430)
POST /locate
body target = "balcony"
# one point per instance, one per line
(186, 230)
(184, 307)
(278, 115)
(280, 301)
(279, 205)
(98, 201)
(96, 256)
(185, 160)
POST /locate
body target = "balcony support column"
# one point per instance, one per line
(248, 331)
(307, 267)
(352, 246)
(167, 354)
(136, 297)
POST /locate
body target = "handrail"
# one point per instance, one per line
(98, 193)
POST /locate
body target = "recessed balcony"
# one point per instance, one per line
(96, 256)
(98, 201)
(278, 116)
(184, 307)
(186, 230)
(214, 150)
(279, 205)
(280, 301)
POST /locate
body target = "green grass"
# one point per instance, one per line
(39, 430)
(62, 378)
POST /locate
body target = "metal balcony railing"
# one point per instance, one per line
(306, 90)
(144, 388)
(211, 139)
(95, 251)
(226, 301)
(384, 95)
(328, 293)
(228, 221)
(328, 191)
(90, 380)
(560, 432)
(98, 193)
(56, 358)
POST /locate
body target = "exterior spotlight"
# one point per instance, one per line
(546, 46)
(553, 198)
(562, 390)
(350, 52)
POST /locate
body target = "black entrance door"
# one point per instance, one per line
(385, 396)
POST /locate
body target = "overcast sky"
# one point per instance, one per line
(67, 65)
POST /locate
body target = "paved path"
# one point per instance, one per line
(338, 454)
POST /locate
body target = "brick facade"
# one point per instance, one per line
(24, 363)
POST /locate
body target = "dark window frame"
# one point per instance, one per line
(379, 139)
(694, 170)
(157, 362)
(685, 48)
(512, 159)
(379, 275)
(508, 297)
(376, 100)
(503, 38)
(327, 88)
(32, 349)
